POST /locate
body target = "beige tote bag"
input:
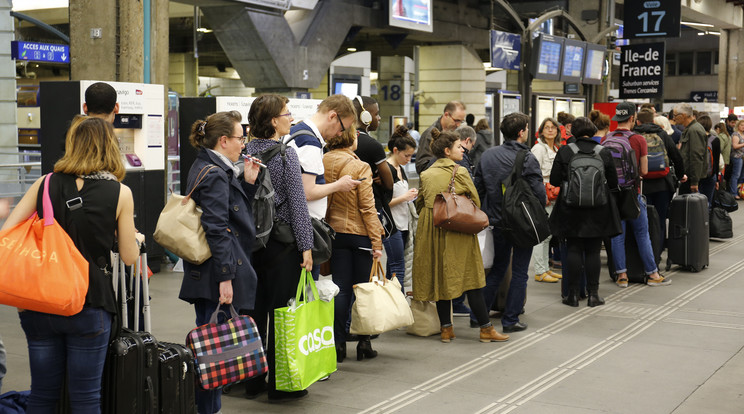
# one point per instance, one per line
(179, 227)
(380, 305)
(425, 318)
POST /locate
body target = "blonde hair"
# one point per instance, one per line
(91, 146)
(345, 140)
(340, 104)
(664, 123)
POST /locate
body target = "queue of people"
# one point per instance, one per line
(328, 167)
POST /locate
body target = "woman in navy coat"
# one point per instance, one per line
(228, 276)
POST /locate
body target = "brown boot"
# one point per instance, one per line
(489, 334)
(448, 333)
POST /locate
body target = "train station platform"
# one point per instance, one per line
(675, 349)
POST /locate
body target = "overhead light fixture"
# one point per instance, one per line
(702, 33)
(351, 49)
(715, 33)
(203, 30)
(696, 24)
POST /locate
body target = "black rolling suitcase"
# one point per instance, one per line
(131, 377)
(633, 262)
(688, 232)
(177, 379)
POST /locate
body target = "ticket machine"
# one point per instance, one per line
(140, 128)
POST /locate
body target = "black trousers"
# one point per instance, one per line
(583, 257)
(278, 270)
(477, 305)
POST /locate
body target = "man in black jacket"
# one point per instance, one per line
(659, 191)
(494, 168)
(453, 117)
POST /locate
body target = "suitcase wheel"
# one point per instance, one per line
(226, 389)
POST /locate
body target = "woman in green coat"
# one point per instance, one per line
(448, 263)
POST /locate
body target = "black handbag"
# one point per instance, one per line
(721, 226)
(627, 203)
(323, 236)
(725, 200)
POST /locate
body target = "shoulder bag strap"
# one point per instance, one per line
(74, 203)
(199, 178)
(452, 180)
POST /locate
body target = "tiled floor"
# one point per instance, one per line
(675, 349)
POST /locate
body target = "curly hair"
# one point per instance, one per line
(345, 140)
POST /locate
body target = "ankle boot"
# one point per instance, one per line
(364, 349)
(594, 300)
(448, 333)
(489, 334)
(572, 299)
(340, 352)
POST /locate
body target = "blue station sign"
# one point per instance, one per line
(40, 52)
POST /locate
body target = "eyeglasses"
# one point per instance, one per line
(343, 129)
(550, 127)
(242, 139)
(457, 121)
(287, 114)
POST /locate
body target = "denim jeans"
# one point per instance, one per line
(639, 227)
(395, 247)
(72, 346)
(208, 402)
(520, 258)
(351, 264)
(736, 164)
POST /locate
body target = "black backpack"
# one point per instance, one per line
(523, 217)
(263, 205)
(586, 186)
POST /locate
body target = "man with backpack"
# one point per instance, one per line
(630, 154)
(665, 166)
(693, 148)
(496, 166)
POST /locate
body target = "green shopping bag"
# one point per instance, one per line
(304, 343)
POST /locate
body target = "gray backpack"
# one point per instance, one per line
(586, 186)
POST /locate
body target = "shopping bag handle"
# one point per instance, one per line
(46, 202)
(306, 278)
(216, 314)
(377, 271)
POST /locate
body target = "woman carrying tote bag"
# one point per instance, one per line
(74, 347)
(358, 233)
(448, 263)
(228, 276)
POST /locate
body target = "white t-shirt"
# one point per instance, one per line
(310, 152)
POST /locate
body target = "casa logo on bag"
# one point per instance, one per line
(316, 340)
(17, 247)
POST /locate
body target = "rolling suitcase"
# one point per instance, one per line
(131, 377)
(633, 262)
(688, 232)
(177, 379)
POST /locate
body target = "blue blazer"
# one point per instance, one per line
(227, 219)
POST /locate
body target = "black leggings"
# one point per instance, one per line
(583, 253)
(477, 305)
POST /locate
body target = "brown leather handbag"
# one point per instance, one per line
(457, 212)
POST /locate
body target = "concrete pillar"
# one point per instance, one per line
(394, 87)
(731, 68)
(446, 73)
(159, 59)
(131, 41)
(93, 58)
(8, 127)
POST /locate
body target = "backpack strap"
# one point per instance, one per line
(518, 167)
(575, 148)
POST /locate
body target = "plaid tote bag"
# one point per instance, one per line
(228, 352)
